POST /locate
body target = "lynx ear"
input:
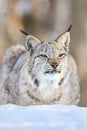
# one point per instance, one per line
(31, 43)
(64, 39)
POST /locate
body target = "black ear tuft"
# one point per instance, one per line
(24, 32)
(69, 28)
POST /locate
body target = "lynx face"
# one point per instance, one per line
(48, 59)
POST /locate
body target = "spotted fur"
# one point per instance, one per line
(44, 73)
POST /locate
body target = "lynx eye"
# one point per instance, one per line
(43, 55)
(61, 55)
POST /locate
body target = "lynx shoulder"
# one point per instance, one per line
(43, 73)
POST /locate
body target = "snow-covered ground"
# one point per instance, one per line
(43, 117)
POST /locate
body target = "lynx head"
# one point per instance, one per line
(48, 59)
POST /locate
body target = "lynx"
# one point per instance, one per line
(40, 73)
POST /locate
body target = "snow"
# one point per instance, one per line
(43, 117)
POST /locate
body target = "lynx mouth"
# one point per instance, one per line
(52, 72)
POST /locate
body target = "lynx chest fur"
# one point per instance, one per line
(43, 73)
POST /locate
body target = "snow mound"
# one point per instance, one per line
(43, 117)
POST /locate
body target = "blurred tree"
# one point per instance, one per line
(79, 43)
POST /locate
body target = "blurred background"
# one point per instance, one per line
(47, 19)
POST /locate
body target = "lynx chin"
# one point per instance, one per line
(41, 73)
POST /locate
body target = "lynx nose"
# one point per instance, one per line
(54, 65)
